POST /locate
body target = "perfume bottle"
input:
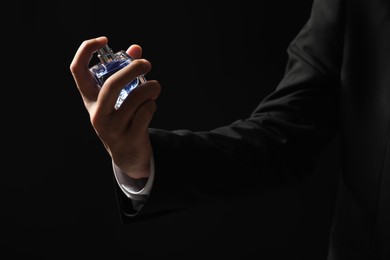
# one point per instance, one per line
(110, 63)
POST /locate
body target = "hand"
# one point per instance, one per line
(123, 131)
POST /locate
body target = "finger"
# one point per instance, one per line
(134, 51)
(142, 118)
(143, 93)
(113, 85)
(79, 67)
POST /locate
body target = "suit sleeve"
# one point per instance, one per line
(277, 145)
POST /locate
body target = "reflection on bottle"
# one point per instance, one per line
(110, 63)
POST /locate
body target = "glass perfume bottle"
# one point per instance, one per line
(110, 63)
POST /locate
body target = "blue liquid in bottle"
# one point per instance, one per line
(110, 63)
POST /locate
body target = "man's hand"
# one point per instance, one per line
(123, 131)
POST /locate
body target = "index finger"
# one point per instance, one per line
(79, 67)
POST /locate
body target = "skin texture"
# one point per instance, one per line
(123, 131)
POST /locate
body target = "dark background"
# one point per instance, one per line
(215, 63)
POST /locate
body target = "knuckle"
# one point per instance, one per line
(155, 88)
(142, 65)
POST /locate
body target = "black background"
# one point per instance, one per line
(215, 63)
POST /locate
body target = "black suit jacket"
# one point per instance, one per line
(337, 80)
